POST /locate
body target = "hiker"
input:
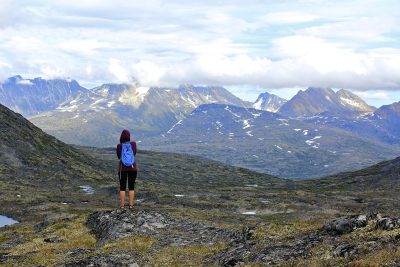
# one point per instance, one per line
(127, 167)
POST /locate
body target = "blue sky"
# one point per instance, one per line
(249, 46)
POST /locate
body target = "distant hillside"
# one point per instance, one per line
(318, 100)
(32, 96)
(382, 125)
(382, 176)
(26, 151)
(268, 142)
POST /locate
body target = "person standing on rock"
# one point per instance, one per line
(127, 167)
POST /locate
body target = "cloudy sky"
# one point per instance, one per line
(250, 46)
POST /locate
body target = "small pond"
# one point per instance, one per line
(4, 220)
(88, 189)
(249, 213)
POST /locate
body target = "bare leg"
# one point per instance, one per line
(122, 196)
(131, 198)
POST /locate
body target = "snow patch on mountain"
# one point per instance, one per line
(133, 96)
(347, 101)
(172, 128)
(219, 124)
(24, 82)
(246, 124)
(189, 100)
(258, 103)
(230, 111)
(278, 147)
(67, 108)
(312, 142)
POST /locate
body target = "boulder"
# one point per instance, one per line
(386, 223)
(347, 224)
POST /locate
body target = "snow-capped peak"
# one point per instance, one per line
(268, 102)
(352, 101)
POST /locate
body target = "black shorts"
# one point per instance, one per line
(130, 176)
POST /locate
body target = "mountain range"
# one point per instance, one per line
(268, 142)
(159, 118)
(97, 116)
(33, 96)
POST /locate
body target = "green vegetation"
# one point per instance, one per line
(185, 256)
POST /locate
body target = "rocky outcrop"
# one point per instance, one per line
(241, 247)
(249, 250)
(344, 225)
(116, 224)
(348, 224)
(386, 223)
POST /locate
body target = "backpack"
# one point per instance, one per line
(127, 156)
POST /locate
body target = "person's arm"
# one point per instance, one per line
(134, 148)
(119, 151)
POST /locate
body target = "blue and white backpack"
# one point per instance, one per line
(127, 156)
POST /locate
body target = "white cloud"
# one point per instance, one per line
(87, 47)
(120, 73)
(148, 73)
(288, 17)
(52, 71)
(367, 29)
(373, 95)
(297, 43)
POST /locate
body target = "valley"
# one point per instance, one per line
(188, 210)
(317, 132)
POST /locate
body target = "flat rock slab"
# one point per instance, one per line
(168, 230)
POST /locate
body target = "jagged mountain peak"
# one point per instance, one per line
(316, 100)
(32, 96)
(269, 102)
(353, 101)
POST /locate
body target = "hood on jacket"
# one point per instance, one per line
(125, 136)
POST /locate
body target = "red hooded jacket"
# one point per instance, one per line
(126, 137)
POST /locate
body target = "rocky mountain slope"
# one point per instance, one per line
(111, 107)
(269, 102)
(317, 100)
(32, 96)
(27, 151)
(268, 142)
(382, 125)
